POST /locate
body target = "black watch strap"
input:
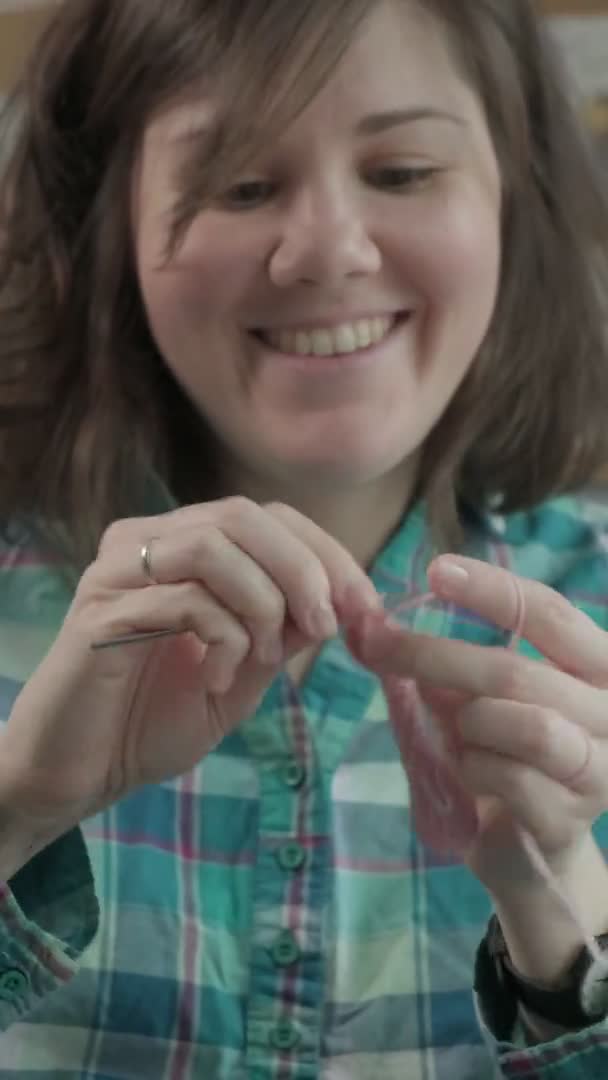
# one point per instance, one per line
(582, 1000)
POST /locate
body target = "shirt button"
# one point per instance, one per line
(293, 774)
(285, 1036)
(13, 984)
(285, 950)
(291, 856)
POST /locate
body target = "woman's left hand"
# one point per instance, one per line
(533, 733)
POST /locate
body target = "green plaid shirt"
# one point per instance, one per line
(271, 915)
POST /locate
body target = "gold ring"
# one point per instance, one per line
(146, 561)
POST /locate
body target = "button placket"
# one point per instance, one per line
(287, 796)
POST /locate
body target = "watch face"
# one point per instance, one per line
(594, 982)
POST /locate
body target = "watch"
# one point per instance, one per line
(580, 1000)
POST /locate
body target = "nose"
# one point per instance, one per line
(324, 241)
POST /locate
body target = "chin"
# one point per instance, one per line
(351, 467)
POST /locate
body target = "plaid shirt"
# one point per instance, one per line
(271, 915)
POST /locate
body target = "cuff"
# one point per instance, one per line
(48, 915)
(580, 1055)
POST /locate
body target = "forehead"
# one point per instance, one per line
(400, 59)
(401, 51)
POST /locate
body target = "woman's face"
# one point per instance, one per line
(321, 314)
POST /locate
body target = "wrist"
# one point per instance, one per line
(22, 836)
(564, 867)
(542, 935)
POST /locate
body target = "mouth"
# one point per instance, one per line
(342, 339)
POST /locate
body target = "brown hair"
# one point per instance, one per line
(87, 405)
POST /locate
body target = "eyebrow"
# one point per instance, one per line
(194, 133)
(374, 124)
(379, 122)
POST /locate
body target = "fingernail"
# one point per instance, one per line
(321, 620)
(450, 574)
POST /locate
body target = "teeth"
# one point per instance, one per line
(347, 338)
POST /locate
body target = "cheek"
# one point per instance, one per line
(453, 251)
(217, 268)
(205, 283)
(164, 303)
(469, 269)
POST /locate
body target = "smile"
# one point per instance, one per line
(339, 340)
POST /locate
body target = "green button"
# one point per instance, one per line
(285, 1035)
(291, 856)
(285, 950)
(13, 984)
(293, 774)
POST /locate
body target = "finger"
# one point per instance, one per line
(477, 671)
(540, 738)
(257, 567)
(126, 530)
(353, 593)
(182, 607)
(540, 805)
(278, 537)
(562, 633)
(206, 555)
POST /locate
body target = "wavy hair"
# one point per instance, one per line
(87, 404)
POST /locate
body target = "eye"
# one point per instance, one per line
(401, 178)
(248, 194)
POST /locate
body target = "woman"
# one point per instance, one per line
(295, 298)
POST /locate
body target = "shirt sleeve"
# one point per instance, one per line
(48, 915)
(581, 1055)
(568, 1055)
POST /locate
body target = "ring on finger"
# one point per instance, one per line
(146, 561)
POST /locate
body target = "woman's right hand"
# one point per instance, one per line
(249, 586)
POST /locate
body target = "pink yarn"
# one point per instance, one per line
(444, 814)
